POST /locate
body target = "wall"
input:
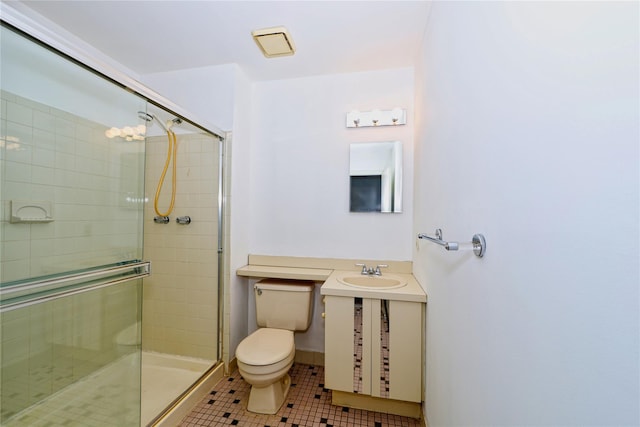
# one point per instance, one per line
(51, 155)
(208, 92)
(181, 295)
(53, 148)
(239, 202)
(528, 133)
(300, 173)
(222, 95)
(300, 166)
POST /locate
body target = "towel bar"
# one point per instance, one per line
(477, 241)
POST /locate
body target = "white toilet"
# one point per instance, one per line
(265, 356)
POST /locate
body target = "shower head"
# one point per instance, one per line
(150, 117)
(145, 116)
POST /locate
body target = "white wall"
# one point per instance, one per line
(238, 197)
(300, 173)
(206, 91)
(300, 166)
(529, 134)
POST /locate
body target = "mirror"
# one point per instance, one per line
(375, 177)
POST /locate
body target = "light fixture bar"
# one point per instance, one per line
(360, 119)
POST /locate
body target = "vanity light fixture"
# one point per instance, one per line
(273, 42)
(359, 119)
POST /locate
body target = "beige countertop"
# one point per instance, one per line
(330, 271)
(412, 291)
(277, 272)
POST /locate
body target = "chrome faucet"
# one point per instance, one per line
(371, 271)
(377, 272)
(365, 271)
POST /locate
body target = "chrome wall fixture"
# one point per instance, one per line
(183, 220)
(161, 219)
(478, 243)
(360, 119)
(51, 288)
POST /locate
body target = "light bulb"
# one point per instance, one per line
(396, 114)
(354, 115)
(112, 133)
(141, 129)
(127, 130)
(375, 117)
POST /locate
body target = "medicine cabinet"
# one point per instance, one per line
(375, 177)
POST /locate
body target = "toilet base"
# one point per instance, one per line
(267, 400)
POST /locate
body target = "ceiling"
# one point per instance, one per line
(330, 36)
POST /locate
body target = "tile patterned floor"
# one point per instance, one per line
(307, 405)
(384, 350)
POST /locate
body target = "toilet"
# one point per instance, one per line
(128, 339)
(265, 357)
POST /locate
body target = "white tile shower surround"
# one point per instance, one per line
(52, 155)
(181, 296)
(81, 404)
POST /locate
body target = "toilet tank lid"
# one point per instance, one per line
(286, 285)
(265, 346)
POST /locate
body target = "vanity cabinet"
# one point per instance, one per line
(374, 347)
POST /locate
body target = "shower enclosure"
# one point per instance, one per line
(106, 316)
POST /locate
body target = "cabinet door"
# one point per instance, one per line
(405, 354)
(338, 343)
(371, 350)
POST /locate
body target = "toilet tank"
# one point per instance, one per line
(284, 304)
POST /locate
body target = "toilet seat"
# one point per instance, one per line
(266, 346)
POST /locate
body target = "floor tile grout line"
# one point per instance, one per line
(308, 404)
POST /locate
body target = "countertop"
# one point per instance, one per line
(328, 270)
(277, 272)
(411, 292)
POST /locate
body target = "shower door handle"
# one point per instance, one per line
(48, 289)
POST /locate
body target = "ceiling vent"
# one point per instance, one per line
(274, 42)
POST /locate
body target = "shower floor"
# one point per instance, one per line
(164, 377)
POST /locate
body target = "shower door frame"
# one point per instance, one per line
(88, 60)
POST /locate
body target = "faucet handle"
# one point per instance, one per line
(364, 268)
(378, 272)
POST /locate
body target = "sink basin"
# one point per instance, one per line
(373, 282)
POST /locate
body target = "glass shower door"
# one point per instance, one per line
(71, 229)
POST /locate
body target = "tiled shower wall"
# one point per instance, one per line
(94, 183)
(51, 345)
(181, 295)
(95, 186)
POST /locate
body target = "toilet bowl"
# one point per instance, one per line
(265, 356)
(128, 339)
